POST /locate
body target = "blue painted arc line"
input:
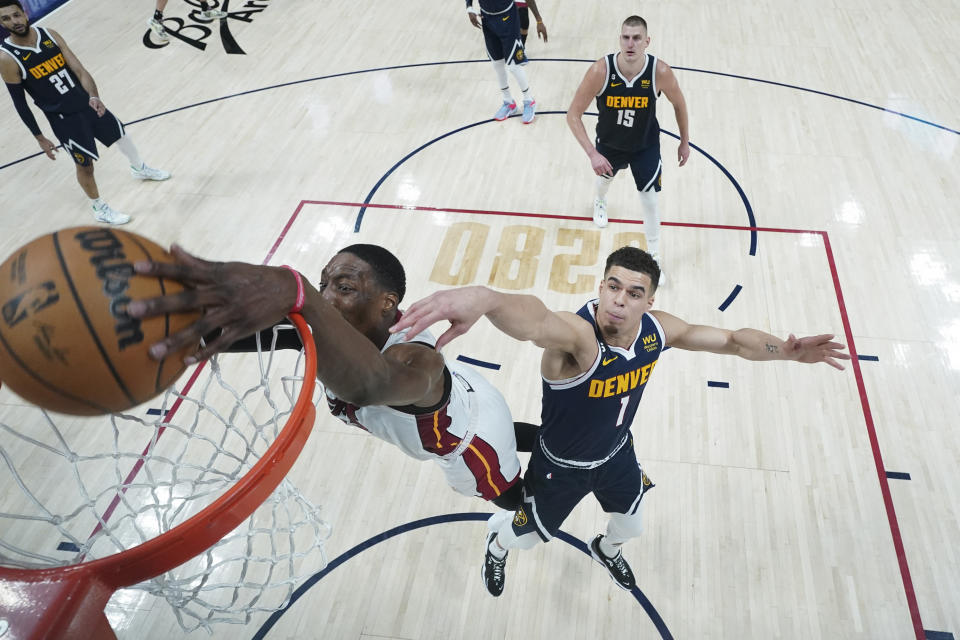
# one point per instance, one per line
(898, 475)
(420, 524)
(730, 298)
(343, 74)
(719, 385)
(479, 363)
(860, 356)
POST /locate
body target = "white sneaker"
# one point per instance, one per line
(157, 27)
(600, 212)
(149, 173)
(104, 213)
(213, 14)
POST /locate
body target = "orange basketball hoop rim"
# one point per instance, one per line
(68, 601)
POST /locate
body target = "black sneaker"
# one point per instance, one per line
(617, 567)
(492, 571)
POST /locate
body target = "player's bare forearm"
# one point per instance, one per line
(680, 111)
(575, 122)
(753, 344)
(535, 10)
(351, 366)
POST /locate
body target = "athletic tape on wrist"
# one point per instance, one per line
(301, 294)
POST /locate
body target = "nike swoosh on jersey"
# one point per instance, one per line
(26, 57)
(615, 84)
(506, 18)
(607, 361)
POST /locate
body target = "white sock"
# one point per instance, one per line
(501, 68)
(603, 185)
(126, 146)
(651, 221)
(498, 552)
(521, 75)
(608, 549)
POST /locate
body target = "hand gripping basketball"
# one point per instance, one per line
(235, 298)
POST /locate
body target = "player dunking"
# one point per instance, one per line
(401, 391)
(38, 61)
(626, 86)
(500, 24)
(595, 366)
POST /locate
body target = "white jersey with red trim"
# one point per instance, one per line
(422, 432)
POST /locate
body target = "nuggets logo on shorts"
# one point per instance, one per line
(646, 480)
(520, 518)
(519, 55)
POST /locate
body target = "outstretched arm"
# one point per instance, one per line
(240, 299)
(751, 344)
(522, 317)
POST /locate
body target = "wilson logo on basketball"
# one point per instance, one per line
(114, 271)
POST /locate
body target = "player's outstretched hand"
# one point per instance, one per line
(813, 349)
(461, 307)
(235, 297)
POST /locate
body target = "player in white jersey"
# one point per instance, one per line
(401, 391)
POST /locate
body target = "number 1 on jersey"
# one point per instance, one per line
(624, 401)
(625, 117)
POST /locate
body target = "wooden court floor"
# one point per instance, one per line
(791, 501)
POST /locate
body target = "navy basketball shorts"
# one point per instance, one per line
(551, 492)
(501, 33)
(77, 132)
(645, 164)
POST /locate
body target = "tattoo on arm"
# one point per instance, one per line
(772, 348)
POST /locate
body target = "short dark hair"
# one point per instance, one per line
(635, 21)
(635, 260)
(387, 269)
(11, 3)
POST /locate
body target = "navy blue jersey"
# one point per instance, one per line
(628, 108)
(587, 419)
(46, 76)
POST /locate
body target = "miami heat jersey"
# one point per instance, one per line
(628, 107)
(46, 76)
(423, 432)
(586, 419)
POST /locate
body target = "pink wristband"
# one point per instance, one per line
(301, 296)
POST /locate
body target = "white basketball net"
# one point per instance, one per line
(71, 490)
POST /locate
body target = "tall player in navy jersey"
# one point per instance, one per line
(37, 61)
(500, 22)
(595, 365)
(626, 86)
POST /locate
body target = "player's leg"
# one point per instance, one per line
(620, 489)
(618, 160)
(524, 14)
(496, 55)
(549, 495)
(507, 32)
(647, 168)
(156, 22)
(109, 130)
(75, 133)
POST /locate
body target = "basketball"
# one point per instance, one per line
(66, 342)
